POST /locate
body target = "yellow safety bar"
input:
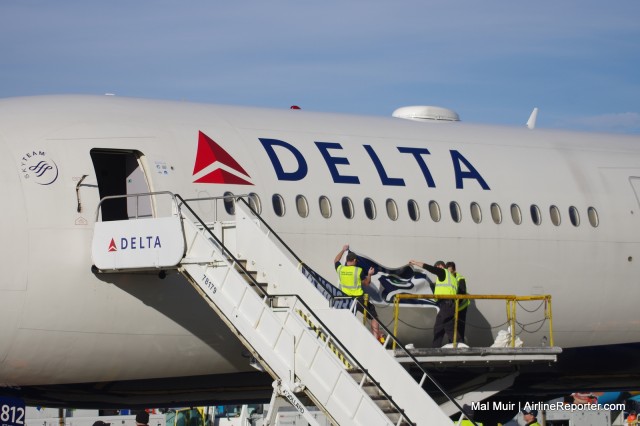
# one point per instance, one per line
(511, 301)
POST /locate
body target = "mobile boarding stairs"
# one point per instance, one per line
(299, 339)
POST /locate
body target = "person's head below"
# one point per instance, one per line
(101, 423)
(529, 415)
(351, 258)
(451, 266)
(142, 418)
(440, 264)
(467, 411)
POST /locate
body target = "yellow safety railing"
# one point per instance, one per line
(511, 302)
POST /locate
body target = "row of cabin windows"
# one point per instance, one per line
(413, 208)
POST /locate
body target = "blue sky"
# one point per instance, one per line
(491, 61)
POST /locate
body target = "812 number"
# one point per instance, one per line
(11, 415)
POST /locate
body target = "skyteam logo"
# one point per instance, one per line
(36, 167)
(215, 165)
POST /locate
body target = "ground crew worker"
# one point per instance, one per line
(352, 278)
(445, 285)
(530, 417)
(463, 304)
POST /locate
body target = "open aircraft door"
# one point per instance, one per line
(129, 232)
(121, 172)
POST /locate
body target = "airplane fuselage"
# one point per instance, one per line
(520, 212)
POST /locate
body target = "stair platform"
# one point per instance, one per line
(478, 356)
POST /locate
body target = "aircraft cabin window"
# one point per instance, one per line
(434, 210)
(554, 212)
(254, 202)
(536, 217)
(593, 217)
(370, 208)
(496, 213)
(392, 209)
(278, 204)
(476, 212)
(302, 206)
(347, 207)
(574, 216)
(414, 210)
(516, 214)
(456, 214)
(325, 207)
(229, 203)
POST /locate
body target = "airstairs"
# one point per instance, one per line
(311, 350)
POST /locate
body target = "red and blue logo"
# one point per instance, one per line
(215, 165)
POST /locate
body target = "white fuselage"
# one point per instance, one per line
(61, 323)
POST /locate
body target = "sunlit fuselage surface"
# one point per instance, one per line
(520, 211)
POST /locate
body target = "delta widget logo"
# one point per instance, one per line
(215, 165)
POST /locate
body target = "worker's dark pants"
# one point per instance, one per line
(444, 323)
(462, 321)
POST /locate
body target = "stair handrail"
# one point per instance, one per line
(344, 349)
(225, 250)
(274, 233)
(390, 335)
(137, 196)
(270, 298)
(388, 332)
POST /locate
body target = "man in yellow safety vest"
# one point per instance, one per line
(352, 278)
(530, 416)
(463, 304)
(445, 285)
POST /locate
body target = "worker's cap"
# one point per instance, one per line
(101, 423)
(142, 417)
(534, 413)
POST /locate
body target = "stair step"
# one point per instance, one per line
(246, 274)
(358, 375)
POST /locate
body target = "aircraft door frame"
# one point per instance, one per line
(635, 185)
(122, 172)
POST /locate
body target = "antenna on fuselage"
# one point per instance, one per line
(531, 123)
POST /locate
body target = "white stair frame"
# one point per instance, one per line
(256, 244)
(270, 335)
(303, 343)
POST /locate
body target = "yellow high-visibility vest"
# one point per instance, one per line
(467, 422)
(350, 282)
(462, 303)
(448, 286)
